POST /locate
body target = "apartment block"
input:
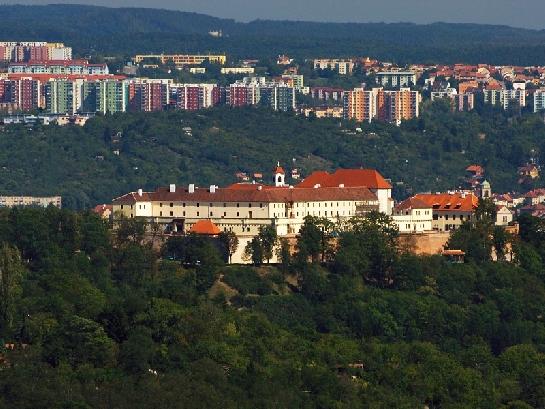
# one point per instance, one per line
(192, 97)
(237, 70)
(294, 80)
(459, 102)
(342, 67)
(112, 96)
(505, 98)
(396, 79)
(539, 100)
(23, 94)
(33, 51)
(148, 94)
(32, 201)
(68, 67)
(359, 105)
(327, 93)
(181, 59)
(386, 106)
(61, 97)
(279, 98)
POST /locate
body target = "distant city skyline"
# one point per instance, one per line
(521, 13)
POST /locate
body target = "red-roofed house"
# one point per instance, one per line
(104, 211)
(205, 227)
(450, 210)
(368, 178)
(475, 171)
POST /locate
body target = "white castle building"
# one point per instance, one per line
(243, 208)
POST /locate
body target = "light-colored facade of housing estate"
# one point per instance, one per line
(388, 106)
(243, 207)
(343, 67)
(459, 102)
(505, 97)
(181, 59)
(539, 100)
(68, 67)
(396, 78)
(33, 51)
(14, 201)
(237, 70)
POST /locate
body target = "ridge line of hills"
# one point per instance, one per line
(98, 30)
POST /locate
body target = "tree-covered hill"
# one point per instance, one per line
(91, 318)
(430, 153)
(119, 31)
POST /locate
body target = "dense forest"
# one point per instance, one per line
(96, 30)
(95, 319)
(112, 155)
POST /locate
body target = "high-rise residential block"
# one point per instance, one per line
(388, 106)
(396, 79)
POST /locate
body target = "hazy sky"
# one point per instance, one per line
(519, 13)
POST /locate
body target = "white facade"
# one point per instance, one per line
(396, 78)
(539, 100)
(413, 220)
(505, 97)
(504, 216)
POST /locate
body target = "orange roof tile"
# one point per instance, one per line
(102, 208)
(205, 227)
(368, 178)
(241, 192)
(475, 168)
(453, 253)
(447, 202)
(412, 203)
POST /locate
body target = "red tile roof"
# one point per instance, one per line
(475, 168)
(412, 203)
(101, 209)
(453, 253)
(368, 178)
(447, 202)
(251, 193)
(205, 227)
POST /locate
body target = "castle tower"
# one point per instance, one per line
(486, 190)
(279, 176)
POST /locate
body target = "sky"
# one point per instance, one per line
(517, 13)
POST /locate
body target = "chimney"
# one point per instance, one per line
(140, 192)
(191, 188)
(212, 188)
(341, 185)
(172, 188)
(260, 187)
(317, 185)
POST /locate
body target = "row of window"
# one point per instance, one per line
(280, 205)
(209, 205)
(414, 226)
(452, 217)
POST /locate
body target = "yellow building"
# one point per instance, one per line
(182, 59)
